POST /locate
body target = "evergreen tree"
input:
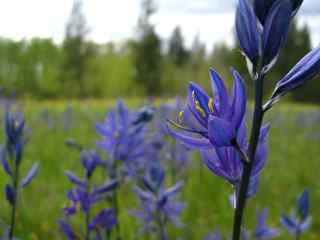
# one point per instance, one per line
(177, 52)
(76, 51)
(147, 52)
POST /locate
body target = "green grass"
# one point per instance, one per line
(293, 164)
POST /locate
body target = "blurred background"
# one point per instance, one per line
(103, 49)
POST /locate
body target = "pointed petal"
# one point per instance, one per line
(247, 30)
(198, 103)
(219, 89)
(262, 150)
(189, 141)
(173, 190)
(74, 179)
(306, 69)
(31, 174)
(239, 103)
(276, 29)
(107, 187)
(221, 133)
(211, 160)
(303, 204)
(5, 163)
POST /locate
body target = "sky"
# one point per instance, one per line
(116, 20)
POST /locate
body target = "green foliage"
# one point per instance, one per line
(39, 68)
(177, 52)
(147, 52)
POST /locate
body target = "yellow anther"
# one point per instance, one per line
(181, 114)
(210, 104)
(197, 105)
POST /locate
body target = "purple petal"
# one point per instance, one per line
(221, 133)
(31, 174)
(173, 190)
(67, 230)
(276, 29)
(105, 219)
(74, 179)
(198, 103)
(247, 30)
(290, 224)
(219, 89)
(306, 69)
(239, 103)
(212, 161)
(107, 187)
(10, 195)
(5, 163)
(189, 141)
(303, 204)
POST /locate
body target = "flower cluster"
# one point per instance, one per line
(83, 196)
(11, 158)
(300, 220)
(157, 203)
(123, 134)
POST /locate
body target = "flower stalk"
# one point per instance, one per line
(246, 174)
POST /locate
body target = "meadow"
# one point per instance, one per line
(293, 165)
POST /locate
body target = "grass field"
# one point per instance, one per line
(293, 164)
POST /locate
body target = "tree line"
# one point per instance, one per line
(145, 65)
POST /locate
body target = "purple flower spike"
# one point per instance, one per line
(247, 31)
(306, 69)
(262, 231)
(299, 221)
(275, 31)
(31, 174)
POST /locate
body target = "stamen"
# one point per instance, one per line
(181, 115)
(210, 104)
(197, 105)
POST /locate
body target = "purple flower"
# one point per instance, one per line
(300, 220)
(217, 119)
(105, 219)
(123, 135)
(262, 231)
(247, 31)
(157, 203)
(226, 162)
(90, 160)
(306, 69)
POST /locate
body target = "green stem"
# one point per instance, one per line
(254, 139)
(15, 181)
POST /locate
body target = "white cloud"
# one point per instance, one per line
(116, 19)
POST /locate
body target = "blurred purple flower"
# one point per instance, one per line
(157, 203)
(262, 231)
(300, 220)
